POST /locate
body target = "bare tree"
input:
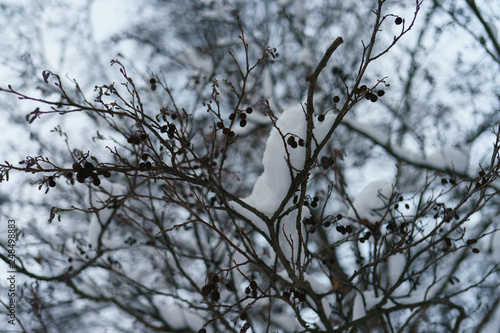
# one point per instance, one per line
(367, 213)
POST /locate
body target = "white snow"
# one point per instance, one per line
(273, 184)
(178, 316)
(363, 302)
(371, 202)
(395, 266)
(451, 159)
(94, 232)
(447, 159)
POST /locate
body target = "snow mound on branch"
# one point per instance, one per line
(451, 159)
(95, 229)
(371, 202)
(274, 182)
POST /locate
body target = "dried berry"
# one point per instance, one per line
(398, 20)
(106, 174)
(242, 116)
(76, 166)
(336, 99)
(80, 178)
(243, 316)
(327, 224)
(471, 241)
(229, 287)
(291, 142)
(348, 229)
(225, 131)
(245, 328)
(230, 134)
(220, 124)
(144, 156)
(232, 116)
(144, 136)
(286, 295)
(52, 183)
(314, 204)
(243, 123)
(339, 216)
(215, 279)
(253, 284)
(380, 93)
(475, 250)
(321, 117)
(249, 110)
(89, 166)
(302, 143)
(152, 81)
(202, 331)
(248, 290)
(96, 181)
(206, 290)
(373, 98)
(153, 87)
(444, 181)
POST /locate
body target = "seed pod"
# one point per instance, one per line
(76, 166)
(253, 284)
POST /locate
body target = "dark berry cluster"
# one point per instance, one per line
(298, 294)
(471, 242)
(484, 179)
(51, 181)
(252, 289)
(445, 181)
(365, 237)
(130, 241)
(294, 143)
(212, 288)
(145, 164)
(152, 81)
(88, 170)
(326, 162)
(373, 97)
(137, 138)
(344, 229)
(169, 129)
(311, 203)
